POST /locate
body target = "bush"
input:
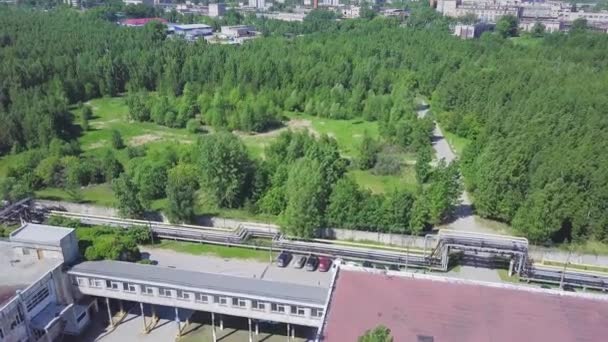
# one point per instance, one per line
(193, 126)
(388, 163)
(117, 141)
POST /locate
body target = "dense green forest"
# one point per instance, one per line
(533, 114)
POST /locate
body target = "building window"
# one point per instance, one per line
(131, 288)
(111, 285)
(316, 312)
(81, 281)
(295, 310)
(277, 308)
(238, 302)
(165, 293)
(222, 300)
(184, 296)
(203, 298)
(26, 251)
(149, 291)
(96, 283)
(37, 298)
(81, 317)
(257, 305)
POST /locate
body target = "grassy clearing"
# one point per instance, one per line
(504, 276)
(216, 250)
(456, 142)
(96, 194)
(527, 41)
(111, 114)
(348, 133)
(382, 184)
(573, 266)
(593, 247)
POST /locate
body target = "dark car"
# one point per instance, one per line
(312, 263)
(300, 261)
(283, 259)
(324, 264)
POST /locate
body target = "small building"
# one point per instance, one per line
(217, 10)
(471, 31)
(39, 241)
(350, 12)
(191, 31)
(238, 31)
(137, 22)
(549, 24)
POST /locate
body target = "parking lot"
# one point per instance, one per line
(237, 267)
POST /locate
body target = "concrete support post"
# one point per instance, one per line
(293, 333)
(143, 316)
(288, 332)
(109, 312)
(257, 328)
(511, 263)
(221, 322)
(250, 335)
(179, 327)
(122, 309)
(213, 326)
(153, 313)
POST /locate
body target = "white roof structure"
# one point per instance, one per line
(187, 27)
(40, 234)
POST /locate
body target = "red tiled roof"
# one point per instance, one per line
(458, 312)
(142, 21)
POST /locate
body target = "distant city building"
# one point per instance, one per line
(554, 15)
(332, 3)
(285, 16)
(217, 10)
(259, 4)
(140, 2)
(351, 12)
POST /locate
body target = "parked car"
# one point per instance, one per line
(300, 261)
(324, 264)
(283, 259)
(312, 263)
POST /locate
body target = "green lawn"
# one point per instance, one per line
(527, 41)
(382, 184)
(216, 250)
(348, 133)
(573, 266)
(504, 276)
(100, 194)
(111, 114)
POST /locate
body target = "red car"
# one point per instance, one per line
(324, 264)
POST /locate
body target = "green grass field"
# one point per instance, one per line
(216, 250)
(100, 194)
(348, 133)
(382, 184)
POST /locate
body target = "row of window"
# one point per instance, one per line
(199, 297)
(37, 298)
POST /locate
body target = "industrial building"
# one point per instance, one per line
(424, 308)
(47, 291)
(190, 31)
(36, 301)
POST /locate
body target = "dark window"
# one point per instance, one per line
(82, 315)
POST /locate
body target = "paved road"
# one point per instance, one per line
(466, 220)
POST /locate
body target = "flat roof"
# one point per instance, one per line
(456, 311)
(204, 281)
(190, 26)
(40, 233)
(17, 273)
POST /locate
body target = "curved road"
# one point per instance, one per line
(466, 220)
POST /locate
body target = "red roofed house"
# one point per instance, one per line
(141, 21)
